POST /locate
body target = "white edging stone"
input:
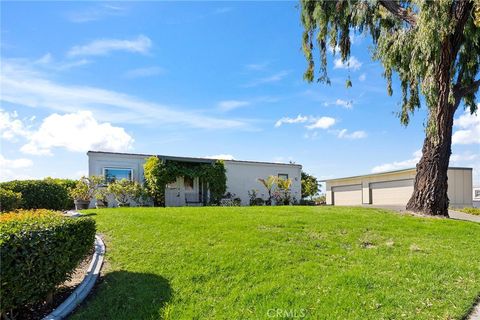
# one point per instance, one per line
(81, 292)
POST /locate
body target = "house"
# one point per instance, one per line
(476, 197)
(394, 188)
(242, 176)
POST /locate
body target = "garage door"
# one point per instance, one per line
(395, 192)
(347, 195)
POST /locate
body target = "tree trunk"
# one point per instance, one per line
(430, 186)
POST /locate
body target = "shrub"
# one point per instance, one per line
(85, 188)
(42, 194)
(124, 191)
(9, 200)
(40, 250)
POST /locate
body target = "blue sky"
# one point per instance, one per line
(194, 79)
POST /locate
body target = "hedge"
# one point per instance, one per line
(9, 200)
(43, 194)
(40, 250)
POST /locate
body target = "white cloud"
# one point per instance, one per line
(11, 127)
(343, 134)
(397, 165)
(228, 105)
(459, 158)
(351, 62)
(28, 87)
(10, 168)
(469, 132)
(144, 72)
(313, 122)
(96, 12)
(141, 44)
(362, 77)
(221, 157)
(344, 103)
(257, 66)
(312, 135)
(321, 123)
(76, 132)
(270, 79)
(298, 119)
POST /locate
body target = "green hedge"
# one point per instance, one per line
(9, 200)
(45, 194)
(40, 250)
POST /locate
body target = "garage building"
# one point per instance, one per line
(394, 188)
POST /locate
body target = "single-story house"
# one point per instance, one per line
(242, 176)
(394, 188)
(476, 197)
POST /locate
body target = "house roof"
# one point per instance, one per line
(191, 159)
(389, 172)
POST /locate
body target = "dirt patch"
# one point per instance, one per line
(41, 309)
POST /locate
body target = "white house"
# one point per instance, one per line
(242, 176)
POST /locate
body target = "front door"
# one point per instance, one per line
(175, 193)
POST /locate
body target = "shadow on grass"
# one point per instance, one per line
(127, 295)
(88, 214)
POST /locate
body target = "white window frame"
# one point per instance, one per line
(118, 168)
(282, 174)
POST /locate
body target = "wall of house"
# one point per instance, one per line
(400, 186)
(243, 177)
(98, 161)
(476, 197)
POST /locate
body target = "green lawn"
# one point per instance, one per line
(283, 262)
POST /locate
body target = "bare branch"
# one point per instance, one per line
(398, 11)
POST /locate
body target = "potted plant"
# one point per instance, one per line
(123, 191)
(102, 198)
(84, 191)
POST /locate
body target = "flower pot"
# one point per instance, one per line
(81, 204)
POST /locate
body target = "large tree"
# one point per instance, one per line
(434, 48)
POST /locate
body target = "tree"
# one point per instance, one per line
(310, 185)
(433, 47)
(269, 184)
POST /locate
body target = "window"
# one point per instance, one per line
(283, 176)
(114, 174)
(477, 194)
(188, 182)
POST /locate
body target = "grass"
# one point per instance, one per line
(283, 262)
(475, 211)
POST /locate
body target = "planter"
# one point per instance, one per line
(101, 204)
(81, 204)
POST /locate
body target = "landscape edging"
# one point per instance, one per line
(84, 288)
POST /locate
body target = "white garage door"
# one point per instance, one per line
(347, 195)
(396, 192)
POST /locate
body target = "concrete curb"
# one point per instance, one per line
(84, 288)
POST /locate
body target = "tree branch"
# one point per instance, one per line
(398, 11)
(471, 88)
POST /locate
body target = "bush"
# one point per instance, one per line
(40, 250)
(9, 200)
(42, 194)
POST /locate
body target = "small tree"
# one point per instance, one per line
(283, 192)
(310, 185)
(123, 191)
(86, 188)
(269, 184)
